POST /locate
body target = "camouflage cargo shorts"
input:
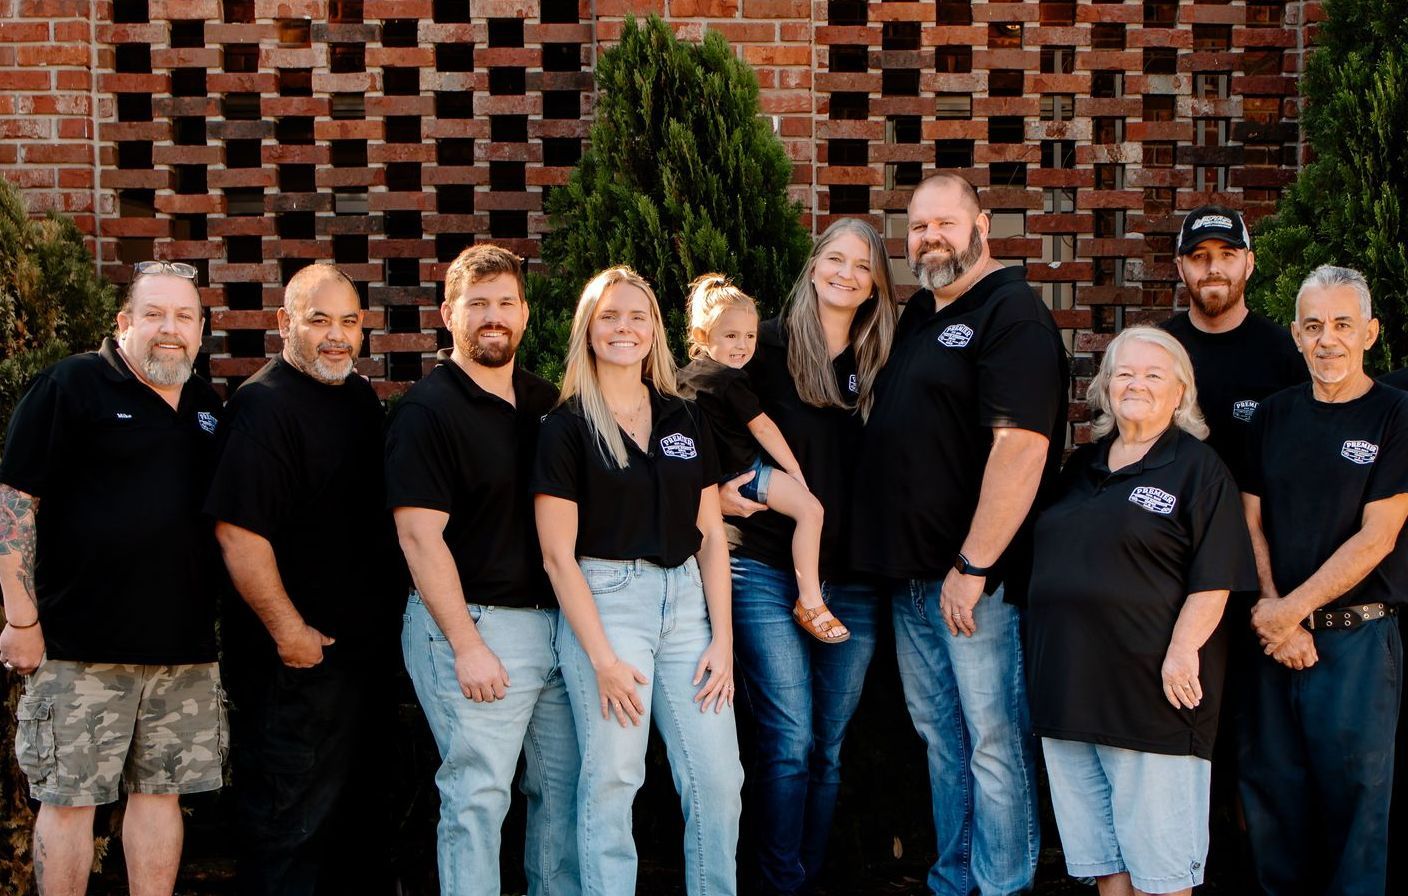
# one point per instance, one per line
(83, 729)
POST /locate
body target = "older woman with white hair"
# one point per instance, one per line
(1134, 560)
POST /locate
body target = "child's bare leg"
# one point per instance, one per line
(788, 497)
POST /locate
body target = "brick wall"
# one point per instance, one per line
(253, 136)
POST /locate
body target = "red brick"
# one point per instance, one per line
(703, 8)
(24, 80)
(22, 32)
(776, 54)
(52, 54)
(777, 9)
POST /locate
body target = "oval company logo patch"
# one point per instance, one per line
(1359, 451)
(206, 420)
(1154, 500)
(956, 336)
(1243, 410)
(853, 385)
(678, 445)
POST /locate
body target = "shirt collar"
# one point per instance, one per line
(1160, 454)
(117, 368)
(444, 358)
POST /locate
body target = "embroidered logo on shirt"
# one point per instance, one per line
(1154, 500)
(122, 416)
(1243, 410)
(206, 421)
(956, 336)
(853, 385)
(1360, 452)
(678, 445)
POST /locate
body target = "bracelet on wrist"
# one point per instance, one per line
(21, 627)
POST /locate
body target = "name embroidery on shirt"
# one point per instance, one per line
(956, 336)
(206, 421)
(1243, 410)
(1154, 500)
(1359, 451)
(853, 385)
(678, 445)
(123, 416)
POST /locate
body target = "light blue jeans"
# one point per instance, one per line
(968, 700)
(479, 747)
(657, 621)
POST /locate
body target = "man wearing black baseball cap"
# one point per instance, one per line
(1239, 357)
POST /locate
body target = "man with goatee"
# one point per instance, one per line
(300, 518)
(481, 625)
(1239, 357)
(106, 567)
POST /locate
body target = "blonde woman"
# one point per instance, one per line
(814, 373)
(628, 517)
(1133, 564)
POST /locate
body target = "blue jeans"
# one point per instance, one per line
(968, 699)
(802, 694)
(1317, 764)
(479, 747)
(656, 620)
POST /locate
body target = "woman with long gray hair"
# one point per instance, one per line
(813, 372)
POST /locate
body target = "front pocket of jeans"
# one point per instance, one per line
(34, 737)
(604, 580)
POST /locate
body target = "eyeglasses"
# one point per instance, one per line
(179, 268)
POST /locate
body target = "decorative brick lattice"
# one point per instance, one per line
(253, 136)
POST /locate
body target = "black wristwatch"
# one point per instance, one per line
(968, 569)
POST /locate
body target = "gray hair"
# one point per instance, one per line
(1186, 416)
(1328, 276)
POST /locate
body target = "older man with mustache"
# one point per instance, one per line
(109, 609)
(969, 422)
(300, 517)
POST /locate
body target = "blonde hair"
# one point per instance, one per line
(872, 329)
(710, 295)
(580, 380)
(1186, 416)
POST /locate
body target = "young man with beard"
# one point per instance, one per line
(300, 517)
(969, 421)
(1239, 357)
(481, 625)
(109, 604)
(1326, 497)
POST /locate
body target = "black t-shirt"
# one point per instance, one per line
(301, 465)
(125, 565)
(826, 442)
(1315, 465)
(1116, 557)
(1234, 372)
(725, 395)
(648, 510)
(453, 447)
(992, 358)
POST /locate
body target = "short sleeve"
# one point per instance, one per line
(39, 428)
(1389, 475)
(253, 485)
(1222, 549)
(1249, 472)
(742, 400)
(419, 465)
(1019, 379)
(557, 470)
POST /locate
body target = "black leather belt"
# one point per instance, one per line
(1346, 617)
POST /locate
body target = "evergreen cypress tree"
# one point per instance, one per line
(682, 176)
(1349, 205)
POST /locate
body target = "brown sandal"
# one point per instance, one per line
(806, 616)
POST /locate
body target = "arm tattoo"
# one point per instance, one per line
(17, 534)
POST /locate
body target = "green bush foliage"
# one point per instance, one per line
(1347, 206)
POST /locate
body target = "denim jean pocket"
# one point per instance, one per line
(34, 738)
(605, 578)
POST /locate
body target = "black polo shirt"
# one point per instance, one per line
(453, 447)
(1315, 465)
(826, 442)
(991, 358)
(125, 565)
(647, 511)
(1116, 557)
(301, 464)
(1234, 372)
(725, 395)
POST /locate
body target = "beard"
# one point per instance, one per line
(312, 362)
(161, 371)
(935, 275)
(1212, 306)
(490, 354)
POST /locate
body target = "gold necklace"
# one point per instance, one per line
(633, 417)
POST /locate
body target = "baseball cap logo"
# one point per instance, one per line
(1221, 221)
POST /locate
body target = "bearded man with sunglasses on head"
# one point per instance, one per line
(106, 568)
